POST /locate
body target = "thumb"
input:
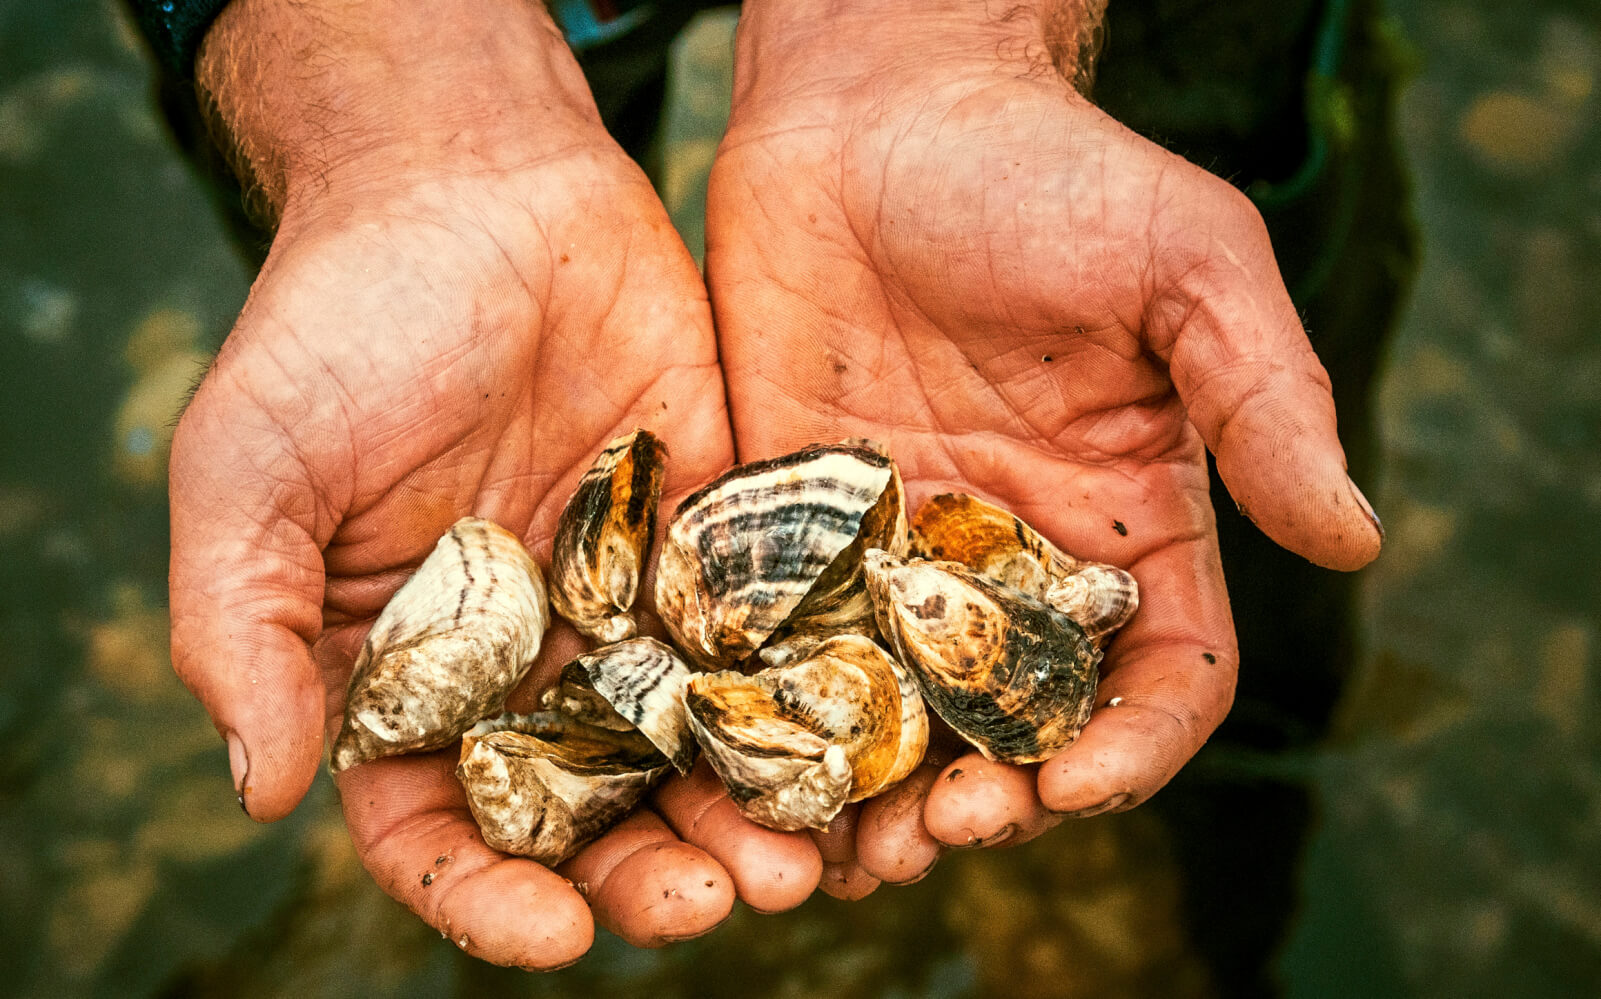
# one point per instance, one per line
(1256, 392)
(246, 587)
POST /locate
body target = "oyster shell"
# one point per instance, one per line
(638, 683)
(603, 536)
(960, 528)
(447, 650)
(796, 741)
(1012, 675)
(543, 785)
(777, 543)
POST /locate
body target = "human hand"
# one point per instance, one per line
(471, 290)
(918, 231)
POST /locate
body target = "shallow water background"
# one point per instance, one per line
(1455, 834)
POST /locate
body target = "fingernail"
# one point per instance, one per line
(999, 838)
(1116, 801)
(1367, 508)
(239, 764)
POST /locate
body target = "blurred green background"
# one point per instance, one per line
(1430, 775)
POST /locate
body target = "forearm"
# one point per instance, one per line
(307, 95)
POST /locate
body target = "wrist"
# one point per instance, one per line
(344, 95)
(809, 48)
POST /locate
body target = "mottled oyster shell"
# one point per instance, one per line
(796, 741)
(638, 683)
(777, 544)
(1013, 676)
(956, 527)
(543, 785)
(447, 650)
(603, 537)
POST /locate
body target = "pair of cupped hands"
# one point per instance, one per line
(917, 232)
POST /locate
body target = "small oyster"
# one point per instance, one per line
(1013, 676)
(960, 528)
(603, 536)
(543, 785)
(796, 741)
(777, 543)
(447, 650)
(638, 683)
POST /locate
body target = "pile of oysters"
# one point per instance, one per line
(811, 624)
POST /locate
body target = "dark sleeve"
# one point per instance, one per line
(174, 29)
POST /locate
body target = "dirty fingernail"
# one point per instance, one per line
(1367, 508)
(1116, 801)
(239, 764)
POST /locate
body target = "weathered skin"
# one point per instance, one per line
(928, 237)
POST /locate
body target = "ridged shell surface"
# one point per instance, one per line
(1013, 676)
(744, 553)
(960, 528)
(544, 785)
(780, 772)
(638, 683)
(770, 735)
(448, 648)
(604, 536)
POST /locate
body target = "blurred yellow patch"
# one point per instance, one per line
(1563, 685)
(148, 416)
(160, 336)
(1517, 133)
(128, 653)
(96, 909)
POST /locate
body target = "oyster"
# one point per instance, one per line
(777, 544)
(603, 536)
(543, 785)
(447, 650)
(1013, 676)
(960, 528)
(638, 683)
(798, 740)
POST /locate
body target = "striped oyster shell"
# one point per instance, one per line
(638, 683)
(448, 648)
(960, 528)
(604, 535)
(1013, 676)
(796, 741)
(543, 785)
(777, 544)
